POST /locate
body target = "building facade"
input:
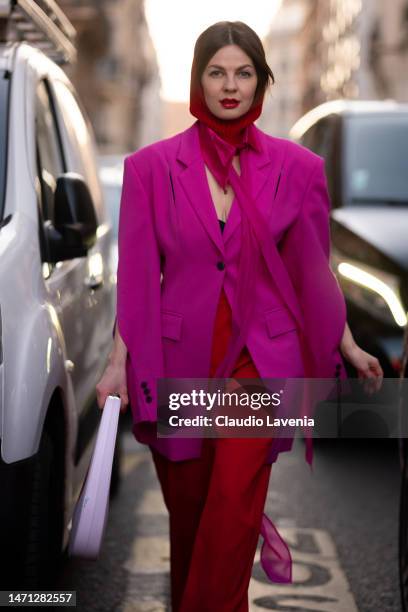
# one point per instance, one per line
(116, 74)
(284, 51)
(323, 50)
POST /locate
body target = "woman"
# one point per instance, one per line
(207, 209)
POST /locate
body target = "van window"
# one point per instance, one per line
(376, 158)
(319, 137)
(49, 154)
(82, 146)
(308, 139)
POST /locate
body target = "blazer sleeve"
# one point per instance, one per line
(305, 251)
(138, 294)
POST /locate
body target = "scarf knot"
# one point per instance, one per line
(218, 154)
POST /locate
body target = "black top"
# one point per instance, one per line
(222, 224)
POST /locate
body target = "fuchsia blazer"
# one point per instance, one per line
(168, 225)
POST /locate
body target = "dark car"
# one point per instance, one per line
(365, 147)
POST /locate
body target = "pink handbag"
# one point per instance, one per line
(91, 510)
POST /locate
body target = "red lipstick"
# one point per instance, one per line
(229, 102)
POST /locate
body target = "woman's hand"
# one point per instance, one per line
(367, 366)
(113, 381)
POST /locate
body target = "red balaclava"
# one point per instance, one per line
(231, 130)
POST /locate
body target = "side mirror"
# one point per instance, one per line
(73, 231)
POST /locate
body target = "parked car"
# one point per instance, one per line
(57, 293)
(365, 147)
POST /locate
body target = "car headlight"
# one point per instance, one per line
(374, 290)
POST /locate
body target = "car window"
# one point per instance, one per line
(308, 139)
(376, 159)
(319, 137)
(49, 153)
(79, 133)
(325, 137)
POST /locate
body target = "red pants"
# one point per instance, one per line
(215, 505)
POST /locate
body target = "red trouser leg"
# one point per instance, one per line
(227, 535)
(184, 485)
(215, 505)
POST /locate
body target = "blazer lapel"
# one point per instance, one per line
(195, 184)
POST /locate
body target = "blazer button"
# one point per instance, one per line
(146, 391)
(143, 384)
(149, 399)
(220, 265)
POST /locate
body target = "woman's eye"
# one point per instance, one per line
(246, 73)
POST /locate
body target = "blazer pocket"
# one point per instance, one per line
(279, 321)
(171, 323)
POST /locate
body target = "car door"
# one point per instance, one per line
(63, 280)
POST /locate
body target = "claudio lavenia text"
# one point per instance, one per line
(223, 420)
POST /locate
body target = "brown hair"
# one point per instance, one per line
(225, 33)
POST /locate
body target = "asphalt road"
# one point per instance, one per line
(340, 522)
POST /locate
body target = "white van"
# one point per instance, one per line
(57, 292)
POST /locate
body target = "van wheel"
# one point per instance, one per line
(43, 554)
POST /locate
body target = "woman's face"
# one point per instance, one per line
(230, 75)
